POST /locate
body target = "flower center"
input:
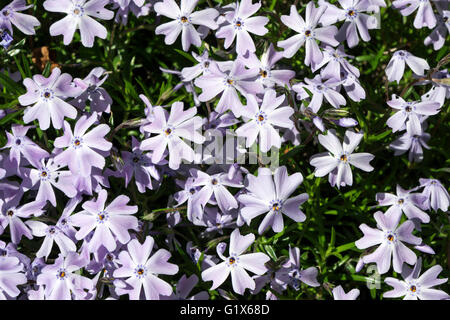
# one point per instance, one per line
(77, 142)
(276, 205)
(231, 260)
(308, 33)
(400, 201)
(183, 19)
(52, 230)
(102, 217)
(5, 13)
(47, 94)
(63, 222)
(238, 23)
(168, 131)
(413, 288)
(10, 213)
(214, 181)
(445, 19)
(135, 159)
(230, 81)
(192, 190)
(61, 275)
(18, 141)
(77, 11)
(344, 158)
(263, 73)
(390, 236)
(140, 271)
(44, 174)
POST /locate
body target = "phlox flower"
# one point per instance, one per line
(183, 22)
(169, 131)
(261, 120)
(141, 269)
(236, 264)
(116, 218)
(83, 149)
(424, 17)
(10, 15)
(390, 237)
(202, 68)
(270, 194)
(414, 143)
(240, 24)
(292, 273)
(436, 195)
(416, 286)
(405, 201)
(46, 95)
(308, 33)
(79, 16)
(396, 66)
(336, 66)
(339, 294)
(337, 161)
(6, 40)
(439, 34)
(11, 276)
(184, 287)
(194, 212)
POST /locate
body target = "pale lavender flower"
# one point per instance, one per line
(409, 114)
(46, 95)
(51, 234)
(336, 65)
(412, 143)
(415, 287)
(390, 237)
(436, 195)
(353, 88)
(216, 221)
(439, 34)
(339, 294)
(424, 16)
(240, 24)
(21, 145)
(6, 39)
(10, 15)
(84, 150)
(319, 90)
(99, 100)
(405, 201)
(356, 21)
(270, 194)
(202, 68)
(79, 13)
(262, 119)
(237, 263)
(49, 175)
(141, 270)
(308, 33)
(214, 185)
(140, 165)
(62, 280)
(184, 287)
(109, 224)
(194, 212)
(396, 66)
(228, 83)
(183, 21)
(169, 130)
(337, 161)
(269, 76)
(138, 7)
(292, 273)
(440, 90)
(12, 215)
(11, 276)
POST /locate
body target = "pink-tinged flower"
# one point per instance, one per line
(184, 287)
(48, 175)
(46, 95)
(268, 75)
(308, 33)
(11, 276)
(396, 66)
(141, 270)
(214, 185)
(84, 150)
(99, 100)
(336, 66)
(62, 280)
(263, 119)
(292, 274)
(228, 83)
(270, 194)
(10, 15)
(436, 195)
(240, 24)
(237, 263)
(319, 90)
(415, 287)
(405, 201)
(12, 215)
(339, 294)
(409, 114)
(425, 15)
(390, 237)
(109, 224)
(337, 161)
(356, 21)
(79, 13)
(52, 234)
(183, 21)
(170, 130)
(20, 145)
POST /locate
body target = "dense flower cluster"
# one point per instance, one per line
(68, 234)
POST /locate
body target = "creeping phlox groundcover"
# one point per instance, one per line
(190, 149)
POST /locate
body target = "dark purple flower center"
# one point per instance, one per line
(184, 19)
(3, 253)
(206, 64)
(276, 206)
(445, 19)
(408, 109)
(63, 222)
(214, 181)
(168, 131)
(231, 260)
(343, 158)
(5, 13)
(400, 201)
(390, 237)
(44, 174)
(230, 81)
(135, 159)
(307, 33)
(109, 257)
(62, 274)
(351, 13)
(18, 142)
(77, 142)
(263, 73)
(52, 230)
(47, 95)
(101, 216)
(261, 118)
(192, 190)
(413, 288)
(140, 271)
(10, 213)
